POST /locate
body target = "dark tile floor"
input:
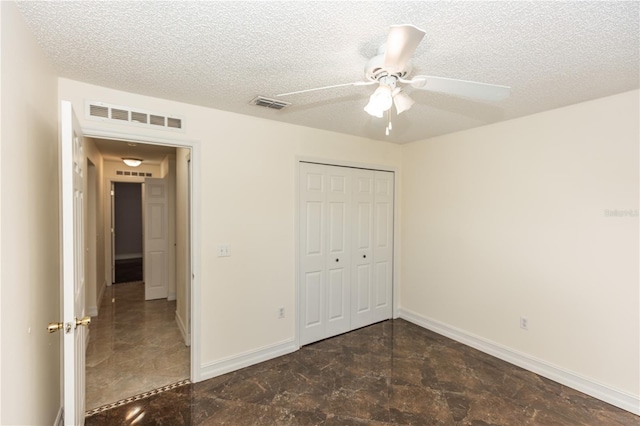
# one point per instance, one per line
(393, 372)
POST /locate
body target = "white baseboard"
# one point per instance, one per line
(59, 421)
(171, 297)
(183, 330)
(620, 399)
(128, 256)
(101, 294)
(246, 359)
(92, 311)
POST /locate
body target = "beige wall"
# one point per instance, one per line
(95, 243)
(247, 200)
(182, 240)
(509, 220)
(29, 228)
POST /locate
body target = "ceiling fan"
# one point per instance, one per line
(390, 68)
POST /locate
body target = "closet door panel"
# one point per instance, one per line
(383, 246)
(338, 251)
(362, 237)
(312, 253)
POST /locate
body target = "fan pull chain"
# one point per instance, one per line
(389, 126)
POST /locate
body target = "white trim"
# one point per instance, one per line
(353, 164)
(183, 329)
(616, 397)
(194, 145)
(92, 311)
(59, 418)
(103, 288)
(246, 359)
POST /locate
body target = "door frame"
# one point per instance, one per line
(396, 235)
(193, 286)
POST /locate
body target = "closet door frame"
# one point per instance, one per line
(396, 238)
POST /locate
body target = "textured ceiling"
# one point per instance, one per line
(222, 54)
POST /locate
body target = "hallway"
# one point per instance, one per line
(134, 346)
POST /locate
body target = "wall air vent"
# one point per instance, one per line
(269, 103)
(134, 116)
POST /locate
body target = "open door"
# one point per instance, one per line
(72, 165)
(156, 239)
(112, 233)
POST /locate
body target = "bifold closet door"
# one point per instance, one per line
(325, 251)
(346, 249)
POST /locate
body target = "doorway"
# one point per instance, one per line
(127, 225)
(135, 345)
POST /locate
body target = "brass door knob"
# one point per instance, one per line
(54, 326)
(84, 321)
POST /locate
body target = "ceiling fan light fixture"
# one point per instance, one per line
(380, 101)
(402, 102)
(132, 162)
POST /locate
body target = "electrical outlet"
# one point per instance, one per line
(281, 313)
(524, 323)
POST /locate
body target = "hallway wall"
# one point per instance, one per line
(29, 228)
(95, 288)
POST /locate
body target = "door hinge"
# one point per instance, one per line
(113, 193)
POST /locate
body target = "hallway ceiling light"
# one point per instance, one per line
(132, 162)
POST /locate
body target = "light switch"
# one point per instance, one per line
(224, 250)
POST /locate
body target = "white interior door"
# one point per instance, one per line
(112, 233)
(72, 166)
(382, 290)
(156, 239)
(362, 237)
(338, 256)
(313, 256)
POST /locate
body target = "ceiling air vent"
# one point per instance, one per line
(269, 103)
(126, 115)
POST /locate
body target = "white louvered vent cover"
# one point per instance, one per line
(128, 115)
(130, 173)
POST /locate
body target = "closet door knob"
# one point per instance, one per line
(337, 260)
(364, 256)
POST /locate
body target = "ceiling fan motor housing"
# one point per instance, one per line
(375, 69)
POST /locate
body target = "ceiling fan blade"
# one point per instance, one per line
(402, 41)
(468, 89)
(357, 83)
